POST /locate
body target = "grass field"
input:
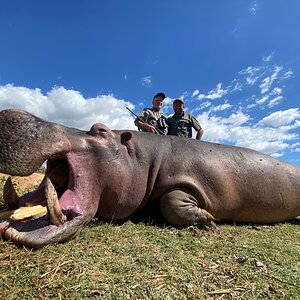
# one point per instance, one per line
(144, 258)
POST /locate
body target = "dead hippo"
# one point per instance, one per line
(111, 174)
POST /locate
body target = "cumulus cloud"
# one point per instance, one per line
(271, 135)
(295, 147)
(230, 122)
(237, 119)
(237, 122)
(281, 117)
(68, 107)
(216, 93)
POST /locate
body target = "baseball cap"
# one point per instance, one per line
(180, 100)
(160, 95)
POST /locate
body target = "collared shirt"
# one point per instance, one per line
(155, 118)
(182, 125)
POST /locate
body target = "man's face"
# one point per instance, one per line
(178, 107)
(157, 102)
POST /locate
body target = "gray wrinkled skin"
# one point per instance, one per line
(111, 174)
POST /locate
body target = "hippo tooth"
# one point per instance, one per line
(10, 196)
(28, 212)
(56, 215)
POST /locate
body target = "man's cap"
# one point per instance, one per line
(160, 95)
(178, 100)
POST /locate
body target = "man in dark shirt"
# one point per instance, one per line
(181, 123)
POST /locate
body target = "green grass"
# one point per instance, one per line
(143, 258)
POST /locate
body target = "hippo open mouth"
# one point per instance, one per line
(54, 211)
(65, 200)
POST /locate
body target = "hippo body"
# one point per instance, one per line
(112, 174)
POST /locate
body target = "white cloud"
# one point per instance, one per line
(236, 119)
(275, 101)
(237, 86)
(273, 133)
(276, 91)
(253, 8)
(250, 106)
(195, 93)
(295, 145)
(68, 107)
(220, 107)
(146, 81)
(216, 93)
(202, 106)
(268, 58)
(268, 81)
(253, 74)
(280, 118)
(277, 155)
(262, 100)
(287, 74)
(235, 130)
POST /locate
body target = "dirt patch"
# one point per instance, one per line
(25, 183)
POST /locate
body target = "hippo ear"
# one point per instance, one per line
(126, 137)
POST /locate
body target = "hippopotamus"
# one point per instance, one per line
(110, 174)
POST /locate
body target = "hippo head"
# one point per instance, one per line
(70, 192)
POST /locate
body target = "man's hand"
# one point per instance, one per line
(150, 128)
(146, 127)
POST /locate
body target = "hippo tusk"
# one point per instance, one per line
(56, 215)
(10, 197)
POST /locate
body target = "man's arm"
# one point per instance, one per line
(197, 127)
(199, 134)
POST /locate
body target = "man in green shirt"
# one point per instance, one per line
(152, 119)
(181, 123)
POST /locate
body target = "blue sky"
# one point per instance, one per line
(236, 64)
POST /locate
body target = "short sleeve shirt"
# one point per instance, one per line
(182, 125)
(155, 118)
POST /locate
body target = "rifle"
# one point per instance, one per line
(140, 119)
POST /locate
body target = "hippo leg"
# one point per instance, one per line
(181, 208)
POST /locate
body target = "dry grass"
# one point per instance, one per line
(142, 258)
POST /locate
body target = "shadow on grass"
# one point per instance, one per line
(150, 215)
